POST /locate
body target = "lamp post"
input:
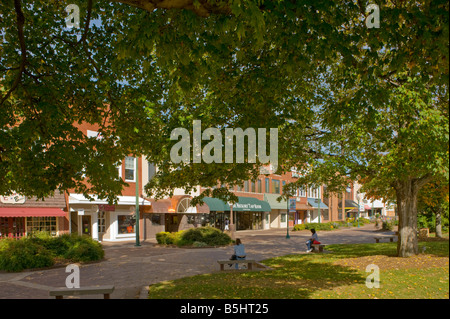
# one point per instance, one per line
(318, 207)
(137, 203)
(359, 195)
(287, 217)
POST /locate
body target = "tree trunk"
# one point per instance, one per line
(438, 224)
(407, 211)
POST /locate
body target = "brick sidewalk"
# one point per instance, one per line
(131, 268)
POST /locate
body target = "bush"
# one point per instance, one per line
(387, 225)
(197, 237)
(317, 226)
(85, 250)
(166, 238)
(17, 255)
(39, 250)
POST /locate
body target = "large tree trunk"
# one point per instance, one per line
(407, 211)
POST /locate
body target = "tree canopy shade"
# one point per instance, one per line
(139, 69)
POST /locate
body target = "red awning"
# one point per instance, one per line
(31, 212)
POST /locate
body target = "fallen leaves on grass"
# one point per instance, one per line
(388, 262)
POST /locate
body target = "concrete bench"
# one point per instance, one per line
(249, 263)
(318, 247)
(391, 238)
(60, 292)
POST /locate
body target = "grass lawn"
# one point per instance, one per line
(339, 274)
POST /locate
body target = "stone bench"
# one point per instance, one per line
(318, 247)
(249, 263)
(106, 291)
(391, 238)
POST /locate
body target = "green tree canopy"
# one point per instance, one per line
(138, 69)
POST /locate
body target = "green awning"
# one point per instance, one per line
(216, 205)
(247, 204)
(250, 204)
(274, 204)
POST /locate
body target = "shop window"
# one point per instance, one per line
(126, 224)
(47, 224)
(156, 219)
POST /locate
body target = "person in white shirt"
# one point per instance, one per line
(310, 241)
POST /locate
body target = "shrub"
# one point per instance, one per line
(197, 237)
(387, 225)
(84, 251)
(166, 238)
(39, 250)
(17, 255)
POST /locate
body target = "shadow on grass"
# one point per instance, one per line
(292, 277)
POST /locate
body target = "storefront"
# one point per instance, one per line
(21, 216)
(278, 212)
(174, 214)
(313, 212)
(248, 212)
(104, 222)
(351, 208)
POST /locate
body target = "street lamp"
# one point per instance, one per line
(137, 203)
(359, 195)
(287, 217)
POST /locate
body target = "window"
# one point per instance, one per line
(275, 186)
(130, 168)
(259, 186)
(313, 192)
(253, 187)
(101, 222)
(266, 186)
(47, 224)
(301, 192)
(126, 224)
(246, 186)
(151, 171)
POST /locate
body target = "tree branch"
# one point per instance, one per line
(23, 49)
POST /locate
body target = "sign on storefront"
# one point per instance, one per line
(13, 199)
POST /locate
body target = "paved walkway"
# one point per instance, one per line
(132, 268)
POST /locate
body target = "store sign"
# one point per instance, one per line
(14, 198)
(247, 206)
(106, 208)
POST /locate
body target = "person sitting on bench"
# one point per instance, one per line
(239, 251)
(313, 240)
